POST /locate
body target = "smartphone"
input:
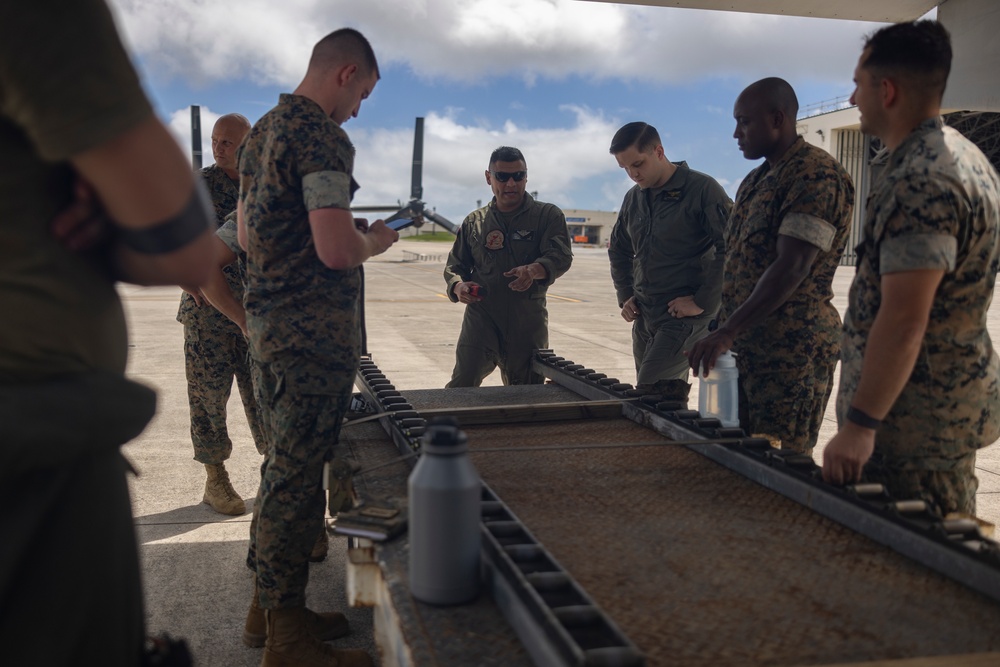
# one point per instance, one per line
(399, 223)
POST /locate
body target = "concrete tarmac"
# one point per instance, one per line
(196, 582)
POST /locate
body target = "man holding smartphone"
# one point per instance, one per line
(505, 256)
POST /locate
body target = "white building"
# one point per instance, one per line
(590, 227)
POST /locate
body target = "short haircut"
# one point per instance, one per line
(507, 154)
(918, 51)
(641, 135)
(776, 95)
(343, 46)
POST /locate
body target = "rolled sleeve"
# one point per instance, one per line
(326, 189)
(918, 252)
(809, 228)
(228, 234)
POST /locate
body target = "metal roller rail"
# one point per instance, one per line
(955, 548)
(559, 624)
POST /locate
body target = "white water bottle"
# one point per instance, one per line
(718, 395)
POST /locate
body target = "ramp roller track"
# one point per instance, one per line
(559, 624)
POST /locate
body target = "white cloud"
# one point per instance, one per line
(465, 40)
(208, 44)
(456, 157)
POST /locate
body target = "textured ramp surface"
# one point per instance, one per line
(700, 566)
(474, 634)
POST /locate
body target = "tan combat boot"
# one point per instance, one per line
(322, 626)
(219, 492)
(289, 645)
(321, 548)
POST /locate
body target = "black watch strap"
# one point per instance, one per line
(862, 418)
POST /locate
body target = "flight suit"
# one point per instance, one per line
(506, 326)
(666, 243)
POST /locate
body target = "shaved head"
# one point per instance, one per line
(236, 120)
(765, 115)
(227, 135)
(776, 95)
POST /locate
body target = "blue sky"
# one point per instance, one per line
(555, 78)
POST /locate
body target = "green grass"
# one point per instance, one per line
(432, 236)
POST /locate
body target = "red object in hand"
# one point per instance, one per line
(477, 291)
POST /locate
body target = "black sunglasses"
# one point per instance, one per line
(504, 176)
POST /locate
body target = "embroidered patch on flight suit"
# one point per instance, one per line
(494, 240)
(523, 235)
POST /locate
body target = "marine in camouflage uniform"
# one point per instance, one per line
(302, 318)
(919, 387)
(215, 351)
(505, 326)
(937, 207)
(786, 361)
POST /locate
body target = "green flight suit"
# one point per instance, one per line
(507, 326)
(666, 243)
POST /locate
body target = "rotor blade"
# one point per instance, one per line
(441, 220)
(387, 207)
(416, 180)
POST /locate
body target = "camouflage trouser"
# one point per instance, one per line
(303, 427)
(504, 335)
(211, 360)
(787, 404)
(658, 351)
(949, 484)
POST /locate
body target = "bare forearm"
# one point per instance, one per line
(890, 354)
(172, 268)
(241, 227)
(354, 253)
(340, 245)
(144, 182)
(218, 293)
(771, 291)
(778, 282)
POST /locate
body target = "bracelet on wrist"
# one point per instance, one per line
(862, 418)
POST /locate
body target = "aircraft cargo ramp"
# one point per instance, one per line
(608, 543)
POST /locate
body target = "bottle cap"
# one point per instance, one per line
(444, 437)
(726, 360)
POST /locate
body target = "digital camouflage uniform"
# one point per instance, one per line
(215, 351)
(667, 243)
(507, 326)
(304, 331)
(786, 362)
(935, 207)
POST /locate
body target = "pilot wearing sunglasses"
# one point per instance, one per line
(505, 256)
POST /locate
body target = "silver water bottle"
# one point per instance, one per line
(445, 495)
